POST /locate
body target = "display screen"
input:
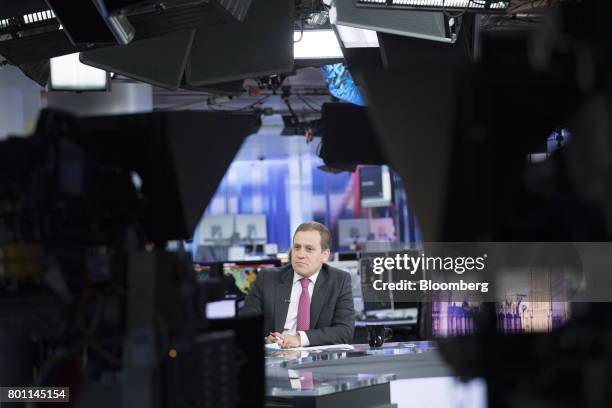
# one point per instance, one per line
(240, 275)
(375, 187)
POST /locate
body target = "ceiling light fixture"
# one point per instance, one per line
(316, 44)
(68, 73)
(492, 6)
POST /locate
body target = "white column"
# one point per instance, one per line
(295, 196)
(11, 112)
(299, 183)
(306, 178)
(125, 97)
(19, 102)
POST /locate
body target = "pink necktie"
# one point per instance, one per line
(303, 315)
(307, 381)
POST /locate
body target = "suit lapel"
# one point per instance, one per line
(283, 294)
(319, 295)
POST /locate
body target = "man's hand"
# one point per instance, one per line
(274, 337)
(290, 341)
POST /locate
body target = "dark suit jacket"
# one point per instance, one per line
(332, 316)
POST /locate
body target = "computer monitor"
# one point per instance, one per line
(375, 188)
(352, 267)
(348, 256)
(353, 231)
(373, 300)
(221, 309)
(218, 228)
(254, 249)
(383, 304)
(252, 228)
(239, 276)
(207, 270)
(382, 229)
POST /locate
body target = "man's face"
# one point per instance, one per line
(306, 254)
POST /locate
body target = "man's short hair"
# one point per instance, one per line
(320, 228)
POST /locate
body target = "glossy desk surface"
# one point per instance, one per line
(317, 373)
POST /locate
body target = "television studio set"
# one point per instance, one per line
(306, 203)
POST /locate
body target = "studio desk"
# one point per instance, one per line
(347, 379)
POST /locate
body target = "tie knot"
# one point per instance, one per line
(304, 282)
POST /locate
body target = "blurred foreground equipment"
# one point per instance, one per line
(459, 123)
(90, 299)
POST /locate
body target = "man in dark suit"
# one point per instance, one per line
(307, 303)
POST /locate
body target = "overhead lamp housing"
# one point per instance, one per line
(427, 25)
(480, 6)
(88, 22)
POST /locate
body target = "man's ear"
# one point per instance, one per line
(326, 255)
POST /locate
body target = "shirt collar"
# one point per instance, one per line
(313, 278)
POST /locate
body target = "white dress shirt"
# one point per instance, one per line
(296, 292)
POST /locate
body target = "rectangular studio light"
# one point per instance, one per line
(39, 16)
(69, 74)
(481, 6)
(316, 44)
(427, 25)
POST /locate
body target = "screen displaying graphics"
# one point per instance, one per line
(240, 275)
(513, 317)
(536, 305)
(207, 271)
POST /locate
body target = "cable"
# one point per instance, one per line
(307, 103)
(458, 15)
(461, 13)
(249, 106)
(188, 104)
(214, 107)
(511, 14)
(301, 32)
